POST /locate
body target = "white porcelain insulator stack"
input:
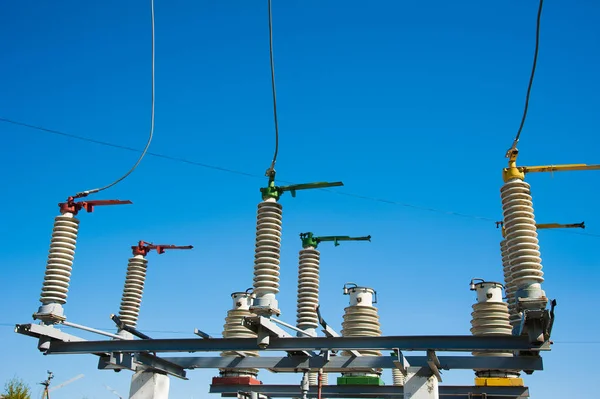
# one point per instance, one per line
(233, 328)
(509, 287)
(521, 239)
(60, 260)
(268, 247)
(133, 290)
(489, 318)
(361, 321)
(308, 298)
(308, 289)
(397, 377)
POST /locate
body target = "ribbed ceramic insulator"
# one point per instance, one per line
(268, 245)
(313, 378)
(490, 318)
(361, 321)
(60, 260)
(521, 235)
(308, 289)
(397, 377)
(509, 288)
(133, 290)
(308, 298)
(233, 328)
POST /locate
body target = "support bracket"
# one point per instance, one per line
(265, 328)
(156, 363)
(330, 332)
(434, 364)
(401, 364)
(135, 361)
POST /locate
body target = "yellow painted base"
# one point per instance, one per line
(499, 382)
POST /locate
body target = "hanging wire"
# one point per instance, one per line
(238, 172)
(535, 56)
(271, 171)
(96, 190)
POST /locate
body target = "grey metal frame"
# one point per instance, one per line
(369, 391)
(448, 343)
(337, 364)
(132, 354)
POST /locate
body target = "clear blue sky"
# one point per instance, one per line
(413, 102)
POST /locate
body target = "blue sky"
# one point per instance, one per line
(412, 102)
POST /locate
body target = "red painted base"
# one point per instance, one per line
(235, 381)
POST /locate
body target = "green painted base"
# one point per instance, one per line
(360, 381)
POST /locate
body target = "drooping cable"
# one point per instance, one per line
(535, 56)
(271, 170)
(96, 190)
(238, 172)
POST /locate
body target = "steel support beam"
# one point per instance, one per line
(452, 343)
(160, 364)
(434, 364)
(140, 361)
(369, 391)
(337, 364)
(40, 330)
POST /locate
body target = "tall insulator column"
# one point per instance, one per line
(522, 245)
(233, 328)
(361, 319)
(308, 299)
(135, 278)
(58, 267)
(60, 258)
(266, 257)
(308, 291)
(133, 290)
(509, 287)
(490, 317)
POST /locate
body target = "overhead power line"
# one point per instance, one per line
(237, 172)
(271, 170)
(535, 57)
(123, 147)
(135, 165)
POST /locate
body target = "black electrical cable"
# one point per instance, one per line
(222, 169)
(535, 57)
(96, 190)
(271, 170)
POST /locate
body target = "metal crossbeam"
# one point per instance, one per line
(133, 362)
(337, 364)
(434, 364)
(107, 360)
(451, 343)
(370, 391)
(157, 363)
(39, 330)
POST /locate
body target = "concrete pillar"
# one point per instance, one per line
(420, 384)
(149, 385)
